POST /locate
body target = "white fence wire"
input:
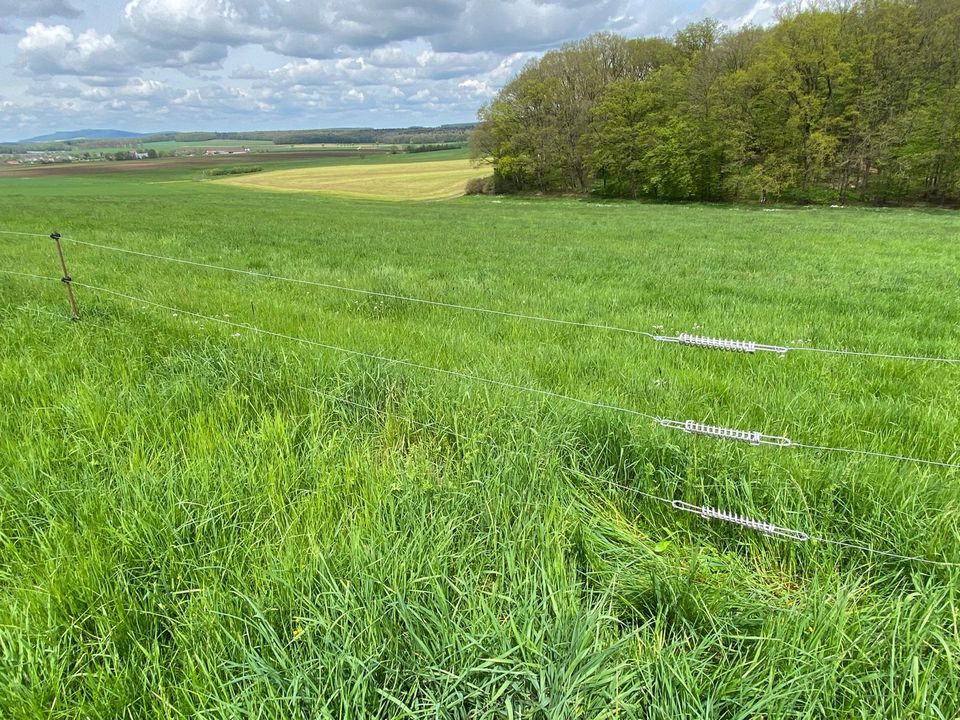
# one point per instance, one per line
(689, 426)
(682, 339)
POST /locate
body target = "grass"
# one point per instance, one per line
(430, 180)
(187, 529)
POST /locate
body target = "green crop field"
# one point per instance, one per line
(199, 520)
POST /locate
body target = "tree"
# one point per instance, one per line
(848, 100)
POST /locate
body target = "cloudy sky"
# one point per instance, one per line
(151, 65)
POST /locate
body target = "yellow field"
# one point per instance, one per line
(387, 181)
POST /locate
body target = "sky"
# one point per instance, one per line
(231, 65)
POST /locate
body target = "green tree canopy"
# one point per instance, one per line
(857, 101)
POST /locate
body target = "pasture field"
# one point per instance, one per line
(197, 520)
(428, 180)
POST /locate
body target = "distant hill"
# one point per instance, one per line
(84, 135)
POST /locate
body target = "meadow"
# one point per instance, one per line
(197, 520)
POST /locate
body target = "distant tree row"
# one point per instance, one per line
(858, 101)
(435, 147)
(350, 136)
(133, 155)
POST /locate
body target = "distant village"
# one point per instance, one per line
(71, 155)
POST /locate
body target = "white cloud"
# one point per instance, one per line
(391, 56)
(37, 9)
(745, 13)
(442, 65)
(477, 88)
(184, 25)
(445, 38)
(512, 25)
(222, 99)
(360, 24)
(55, 50)
(14, 10)
(299, 62)
(249, 72)
(321, 29)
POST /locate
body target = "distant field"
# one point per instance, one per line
(166, 145)
(198, 521)
(258, 146)
(432, 180)
(194, 167)
(203, 144)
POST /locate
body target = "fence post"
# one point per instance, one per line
(66, 279)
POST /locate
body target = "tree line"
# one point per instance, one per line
(848, 101)
(360, 136)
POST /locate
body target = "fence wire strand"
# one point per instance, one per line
(625, 488)
(882, 356)
(884, 553)
(871, 453)
(372, 356)
(475, 378)
(33, 276)
(472, 308)
(24, 234)
(374, 293)
(484, 380)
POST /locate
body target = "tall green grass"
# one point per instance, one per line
(187, 530)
